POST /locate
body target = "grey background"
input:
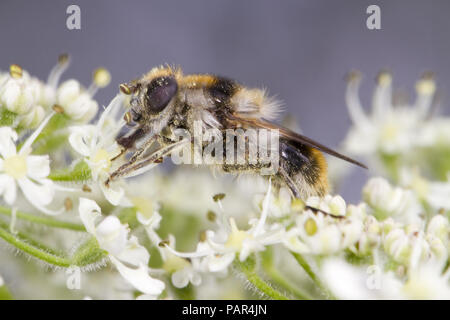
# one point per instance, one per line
(299, 50)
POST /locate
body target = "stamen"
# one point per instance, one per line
(188, 255)
(382, 96)
(58, 70)
(211, 216)
(57, 108)
(426, 85)
(115, 103)
(15, 71)
(425, 88)
(101, 78)
(384, 78)
(26, 147)
(353, 102)
(416, 251)
(218, 197)
(68, 204)
(265, 210)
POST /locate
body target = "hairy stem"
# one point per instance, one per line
(33, 249)
(277, 277)
(304, 264)
(5, 294)
(79, 173)
(43, 220)
(248, 269)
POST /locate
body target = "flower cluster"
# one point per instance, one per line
(397, 134)
(186, 234)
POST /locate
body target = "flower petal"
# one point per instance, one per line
(112, 235)
(80, 138)
(139, 278)
(112, 193)
(134, 253)
(40, 193)
(8, 188)
(219, 263)
(7, 138)
(38, 167)
(89, 212)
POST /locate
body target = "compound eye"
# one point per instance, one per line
(159, 93)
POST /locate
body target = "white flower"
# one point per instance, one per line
(424, 281)
(389, 129)
(427, 282)
(316, 233)
(439, 227)
(27, 171)
(347, 281)
(19, 94)
(2, 282)
(123, 250)
(231, 240)
(97, 145)
(435, 132)
(425, 278)
(33, 118)
(280, 205)
(400, 243)
(329, 204)
(436, 194)
(370, 238)
(77, 103)
(386, 200)
(147, 212)
(220, 248)
(181, 270)
(319, 233)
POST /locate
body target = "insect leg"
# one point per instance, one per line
(133, 168)
(289, 182)
(136, 155)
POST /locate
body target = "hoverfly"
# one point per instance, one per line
(164, 100)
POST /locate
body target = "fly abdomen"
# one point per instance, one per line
(303, 169)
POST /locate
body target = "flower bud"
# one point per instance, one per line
(19, 95)
(77, 103)
(33, 118)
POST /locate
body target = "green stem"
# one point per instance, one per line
(43, 220)
(304, 264)
(277, 277)
(80, 173)
(248, 269)
(87, 253)
(33, 250)
(5, 294)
